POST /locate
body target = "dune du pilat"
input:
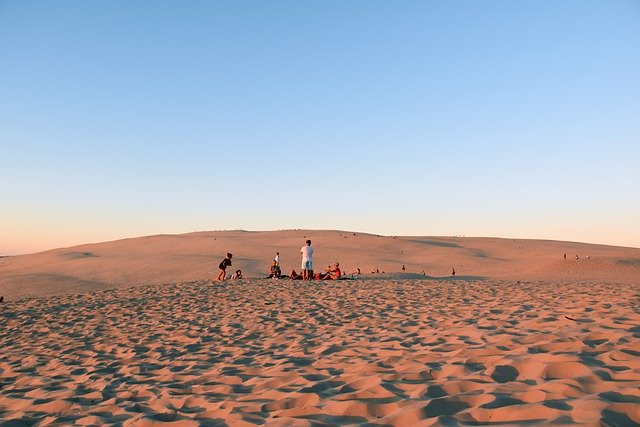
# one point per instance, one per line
(138, 332)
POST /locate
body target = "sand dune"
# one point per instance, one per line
(376, 352)
(194, 257)
(134, 333)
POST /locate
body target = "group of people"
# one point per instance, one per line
(223, 269)
(331, 272)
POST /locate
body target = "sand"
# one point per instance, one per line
(133, 332)
(166, 259)
(376, 352)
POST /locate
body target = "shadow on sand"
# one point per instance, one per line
(417, 276)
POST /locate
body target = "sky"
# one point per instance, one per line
(516, 119)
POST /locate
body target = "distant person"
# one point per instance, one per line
(223, 267)
(356, 271)
(237, 275)
(334, 273)
(453, 271)
(403, 269)
(321, 276)
(274, 270)
(1, 299)
(277, 258)
(565, 256)
(307, 260)
(577, 257)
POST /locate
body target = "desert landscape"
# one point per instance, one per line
(162, 259)
(164, 163)
(134, 332)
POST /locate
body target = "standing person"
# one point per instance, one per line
(307, 260)
(277, 259)
(223, 267)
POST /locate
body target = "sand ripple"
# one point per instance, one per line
(291, 353)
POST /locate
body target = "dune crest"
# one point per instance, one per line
(166, 259)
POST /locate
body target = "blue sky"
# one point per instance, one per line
(496, 118)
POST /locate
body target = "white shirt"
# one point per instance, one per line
(307, 253)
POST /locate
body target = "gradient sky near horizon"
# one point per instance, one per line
(478, 118)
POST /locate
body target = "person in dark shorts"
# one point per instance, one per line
(223, 267)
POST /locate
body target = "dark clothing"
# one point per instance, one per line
(274, 271)
(225, 263)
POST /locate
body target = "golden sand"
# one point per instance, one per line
(384, 352)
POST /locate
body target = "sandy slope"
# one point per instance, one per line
(385, 352)
(195, 256)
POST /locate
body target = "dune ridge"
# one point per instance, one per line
(187, 257)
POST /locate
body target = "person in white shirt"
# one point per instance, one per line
(307, 260)
(277, 258)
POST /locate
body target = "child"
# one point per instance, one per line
(223, 267)
(237, 275)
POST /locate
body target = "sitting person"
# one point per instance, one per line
(322, 276)
(334, 273)
(237, 275)
(295, 276)
(274, 270)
